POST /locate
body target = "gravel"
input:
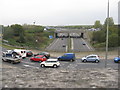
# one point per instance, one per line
(59, 78)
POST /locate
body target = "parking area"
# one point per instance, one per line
(77, 64)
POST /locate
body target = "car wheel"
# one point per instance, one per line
(59, 59)
(12, 62)
(55, 66)
(72, 60)
(3, 60)
(31, 60)
(84, 60)
(96, 61)
(42, 65)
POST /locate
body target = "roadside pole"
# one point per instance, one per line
(106, 57)
(66, 48)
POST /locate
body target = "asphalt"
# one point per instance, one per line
(67, 64)
(57, 45)
(76, 45)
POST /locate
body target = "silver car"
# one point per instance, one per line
(91, 58)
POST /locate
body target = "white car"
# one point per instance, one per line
(22, 53)
(50, 63)
(92, 57)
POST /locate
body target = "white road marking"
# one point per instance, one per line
(31, 66)
(26, 65)
(88, 63)
(86, 44)
(72, 44)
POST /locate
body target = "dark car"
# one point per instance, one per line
(46, 54)
(67, 57)
(63, 45)
(83, 44)
(29, 53)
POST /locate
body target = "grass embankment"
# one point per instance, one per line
(27, 36)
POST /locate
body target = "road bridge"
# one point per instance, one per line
(72, 33)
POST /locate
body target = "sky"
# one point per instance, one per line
(56, 12)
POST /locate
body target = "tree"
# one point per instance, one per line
(17, 29)
(113, 40)
(99, 36)
(97, 24)
(110, 20)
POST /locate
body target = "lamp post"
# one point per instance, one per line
(106, 57)
(36, 43)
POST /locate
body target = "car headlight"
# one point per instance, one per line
(116, 59)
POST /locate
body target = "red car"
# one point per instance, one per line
(39, 58)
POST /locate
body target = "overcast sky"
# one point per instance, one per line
(56, 12)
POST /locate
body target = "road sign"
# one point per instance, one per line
(50, 36)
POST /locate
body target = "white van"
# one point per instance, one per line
(21, 52)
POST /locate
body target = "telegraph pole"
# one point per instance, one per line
(106, 57)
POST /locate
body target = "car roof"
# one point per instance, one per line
(39, 56)
(92, 55)
(69, 53)
(52, 60)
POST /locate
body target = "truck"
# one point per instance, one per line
(12, 58)
(67, 57)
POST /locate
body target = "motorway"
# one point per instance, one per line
(76, 45)
(57, 45)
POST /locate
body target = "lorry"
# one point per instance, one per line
(67, 57)
(11, 57)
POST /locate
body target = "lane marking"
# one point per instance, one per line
(86, 44)
(31, 66)
(88, 63)
(72, 44)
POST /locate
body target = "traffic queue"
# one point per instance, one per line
(16, 55)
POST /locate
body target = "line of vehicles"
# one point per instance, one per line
(16, 55)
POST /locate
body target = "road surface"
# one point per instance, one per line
(76, 45)
(67, 64)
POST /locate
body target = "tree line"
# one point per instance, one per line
(99, 37)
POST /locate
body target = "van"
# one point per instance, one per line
(67, 57)
(22, 53)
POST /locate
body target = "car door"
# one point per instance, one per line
(44, 58)
(64, 57)
(47, 63)
(90, 58)
(37, 59)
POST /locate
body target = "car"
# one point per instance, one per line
(29, 53)
(50, 63)
(10, 53)
(63, 45)
(46, 54)
(117, 59)
(67, 57)
(21, 52)
(83, 44)
(39, 58)
(91, 58)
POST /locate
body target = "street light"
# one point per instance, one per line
(106, 57)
